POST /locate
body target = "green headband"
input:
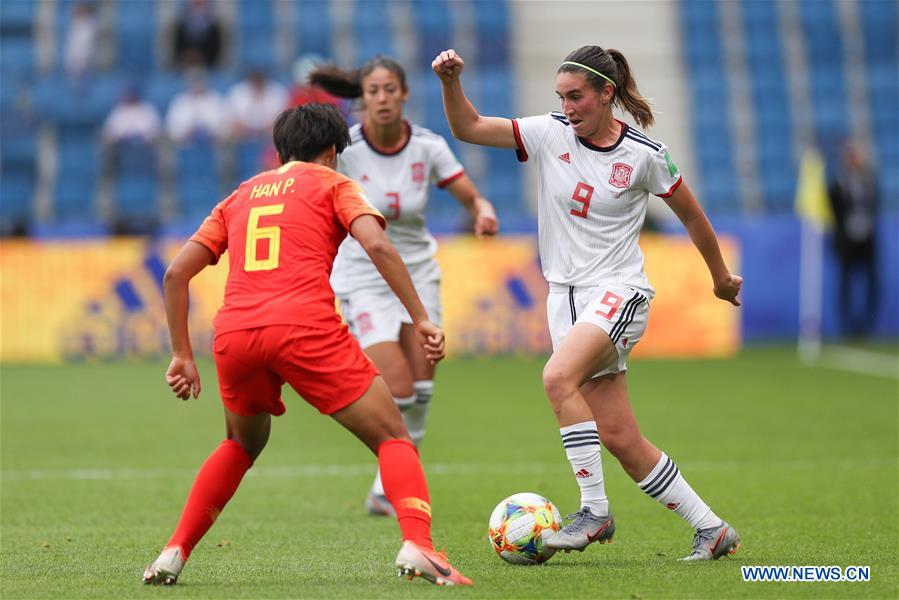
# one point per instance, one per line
(606, 77)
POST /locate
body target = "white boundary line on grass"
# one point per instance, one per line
(441, 469)
(858, 360)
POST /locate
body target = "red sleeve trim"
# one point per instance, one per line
(445, 182)
(520, 152)
(673, 187)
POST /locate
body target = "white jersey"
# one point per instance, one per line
(592, 200)
(397, 185)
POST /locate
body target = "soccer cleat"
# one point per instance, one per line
(417, 561)
(378, 504)
(714, 542)
(585, 529)
(166, 568)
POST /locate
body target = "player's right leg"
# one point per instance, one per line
(585, 349)
(250, 393)
(375, 420)
(215, 484)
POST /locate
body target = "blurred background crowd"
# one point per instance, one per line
(137, 116)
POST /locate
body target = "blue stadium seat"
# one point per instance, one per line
(249, 158)
(161, 87)
(77, 158)
(16, 56)
(135, 35)
(256, 34)
(492, 31)
(373, 30)
(313, 27)
(197, 179)
(433, 23)
(136, 204)
(879, 21)
(17, 17)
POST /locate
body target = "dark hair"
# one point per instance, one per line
(613, 65)
(347, 83)
(304, 132)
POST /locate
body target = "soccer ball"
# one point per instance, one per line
(520, 526)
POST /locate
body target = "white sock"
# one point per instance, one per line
(416, 416)
(582, 448)
(667, 485)
(404, 404)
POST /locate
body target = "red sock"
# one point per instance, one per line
(215, 484)
(407, 490)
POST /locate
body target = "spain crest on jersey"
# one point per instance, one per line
(418, 172)
(621, 175)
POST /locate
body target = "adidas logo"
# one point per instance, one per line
(565, 158)
(583, 473)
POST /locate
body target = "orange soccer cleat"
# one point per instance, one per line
(418, 561)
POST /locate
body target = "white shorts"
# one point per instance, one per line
(622, 312)
(375, 315)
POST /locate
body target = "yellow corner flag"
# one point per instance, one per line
(811, 191)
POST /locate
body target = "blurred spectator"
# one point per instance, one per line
(198, 36)
(132, 119)
(254, 104)
(853, 198)
(81, 40)
(198, 113)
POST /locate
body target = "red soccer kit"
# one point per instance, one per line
(282, 229)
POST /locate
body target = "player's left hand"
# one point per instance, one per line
(432, 339)
(728, 288)
(183, 377)
(486, 222)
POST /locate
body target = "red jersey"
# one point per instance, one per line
(282, 229)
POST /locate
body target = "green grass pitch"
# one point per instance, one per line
(97, 460)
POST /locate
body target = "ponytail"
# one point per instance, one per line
(344, 83)
(347, 83)
(627, 96)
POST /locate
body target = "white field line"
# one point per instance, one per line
(433, 469)
(858, 360)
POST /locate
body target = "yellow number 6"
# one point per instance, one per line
(256, 233)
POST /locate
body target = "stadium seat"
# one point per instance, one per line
(373, 30)
(135, 186)
(313, 26)
(197, 179)
(135, 35)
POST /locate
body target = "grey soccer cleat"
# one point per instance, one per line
(379, 505)
(585, 529)
(165, 569)
(714, 542)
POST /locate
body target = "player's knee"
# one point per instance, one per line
(557, 384)
(252, 446)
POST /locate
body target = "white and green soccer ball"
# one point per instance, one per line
(520, 526)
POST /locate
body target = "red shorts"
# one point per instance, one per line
(326, 367)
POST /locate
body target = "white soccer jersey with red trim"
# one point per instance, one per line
(592, 200)
(397, 185)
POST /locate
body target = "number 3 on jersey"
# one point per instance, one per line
(255, 234)
(582, 193)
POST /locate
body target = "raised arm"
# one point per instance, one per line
(464, 121)
(377, 245)
(683, 203)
